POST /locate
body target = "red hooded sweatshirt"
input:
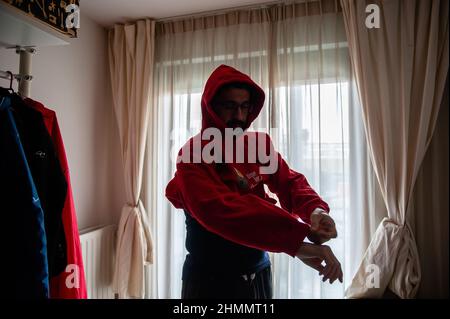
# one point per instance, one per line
(214, 196)
(59, 287)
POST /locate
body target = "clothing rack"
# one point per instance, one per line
(24, 33)
(24, 76)
(7, 76)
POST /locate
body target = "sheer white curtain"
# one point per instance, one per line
(317, 117)
(298, 55)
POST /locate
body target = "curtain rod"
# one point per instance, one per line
(223, 11)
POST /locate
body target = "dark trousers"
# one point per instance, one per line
(251, 286)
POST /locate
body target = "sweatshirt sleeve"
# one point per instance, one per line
(293, 190)
(244, 219)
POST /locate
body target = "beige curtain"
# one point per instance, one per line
(400, 71)
(131, 51)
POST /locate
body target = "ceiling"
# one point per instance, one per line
(108, 12)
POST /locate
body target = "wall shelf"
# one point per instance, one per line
(24, 33)
(18, 29)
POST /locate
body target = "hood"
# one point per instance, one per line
(225, 74)
(221, 76)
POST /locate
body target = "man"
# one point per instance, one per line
(231, 222)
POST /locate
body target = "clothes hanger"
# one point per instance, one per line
(18, 94)
(15, 96)
(10, 90)
(11, 81)
(6, 92)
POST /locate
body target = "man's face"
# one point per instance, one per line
(232, 105)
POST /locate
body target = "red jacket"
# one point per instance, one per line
(58, 287)
(214, 196)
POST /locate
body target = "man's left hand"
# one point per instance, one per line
(322, 228)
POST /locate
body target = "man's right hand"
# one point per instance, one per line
(314, 255)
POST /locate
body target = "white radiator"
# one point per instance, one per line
(98, 246)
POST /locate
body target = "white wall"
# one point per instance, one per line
(73, 80)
